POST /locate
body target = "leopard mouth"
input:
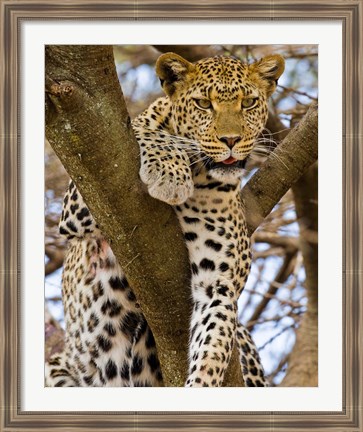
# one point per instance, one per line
(231, 160)
(230, 167)
(227, 164)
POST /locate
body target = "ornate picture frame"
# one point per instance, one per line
(13, 13)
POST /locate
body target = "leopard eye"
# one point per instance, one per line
(248, 103)
(204, 104)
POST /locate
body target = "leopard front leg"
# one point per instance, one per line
(213, 329)
(165, 169)
(215, 233)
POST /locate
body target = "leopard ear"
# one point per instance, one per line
(172, 71)
(270, 69)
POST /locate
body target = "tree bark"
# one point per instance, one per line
(89, 128)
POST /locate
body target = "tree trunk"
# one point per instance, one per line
(305, 373)
(89, 128)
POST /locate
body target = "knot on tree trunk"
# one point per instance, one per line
(62, 96)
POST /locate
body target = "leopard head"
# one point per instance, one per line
(220, 104)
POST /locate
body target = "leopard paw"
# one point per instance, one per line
(165, 184)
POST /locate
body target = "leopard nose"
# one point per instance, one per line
(230, 141)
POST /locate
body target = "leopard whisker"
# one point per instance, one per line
(275, 133)
(267, 153)
(203, 158)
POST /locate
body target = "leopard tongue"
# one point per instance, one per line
(229, 161)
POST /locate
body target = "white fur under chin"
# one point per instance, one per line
(231, 174)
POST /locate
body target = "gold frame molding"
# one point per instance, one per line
(350, 13)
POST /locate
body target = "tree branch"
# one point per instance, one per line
(281, 277)
(54, 335)
(282, 169)
(56, 257)
(192, 53)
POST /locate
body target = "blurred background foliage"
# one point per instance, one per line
(274, 299)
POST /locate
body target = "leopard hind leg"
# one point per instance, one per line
(145, 369)
(58, 373)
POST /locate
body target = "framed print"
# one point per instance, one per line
(302, 283)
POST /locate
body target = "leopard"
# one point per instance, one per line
(194, 143)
